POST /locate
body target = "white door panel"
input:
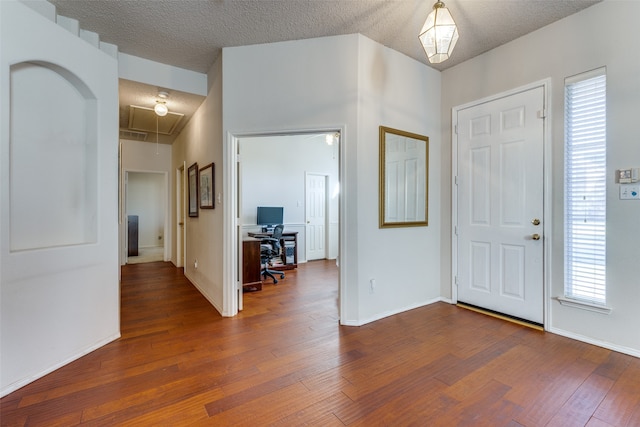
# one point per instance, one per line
(500, 193)
(316, 217)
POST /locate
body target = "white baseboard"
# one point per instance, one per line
(394, 312)
(204, 294)
(23, 382)
(610, 346)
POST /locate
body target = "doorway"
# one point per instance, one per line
(146, 208)
(272, 171)
(180, 213)
(499, 203)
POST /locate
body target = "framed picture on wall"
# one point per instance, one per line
(207, 186)
(193, 190)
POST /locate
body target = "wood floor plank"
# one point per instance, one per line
(594, 422)
(486, 407)
(320, 413)
(583, 403)
(401, 408)
(556, 389)
(618, 406)
(286, 361)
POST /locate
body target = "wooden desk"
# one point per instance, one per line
(287, 236)
(251, 266)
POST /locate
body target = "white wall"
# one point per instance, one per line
(354, 84)
(398, 92)
(201, 142)
(58, 301)
(162, 75)
(273, 174)
(605, 34)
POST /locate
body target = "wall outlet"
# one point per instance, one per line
(629, 192)
(195, 264)
(372, 286)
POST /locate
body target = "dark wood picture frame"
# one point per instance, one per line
(207, 185)
(193, 190)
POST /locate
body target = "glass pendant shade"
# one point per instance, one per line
(161, 109)
(439, 34)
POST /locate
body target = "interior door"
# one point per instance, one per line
(500, 205)
(315, 235)
(180, 209)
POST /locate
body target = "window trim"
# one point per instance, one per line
(599, 306)
(584, 305)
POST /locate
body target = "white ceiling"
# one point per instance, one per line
(190, 34)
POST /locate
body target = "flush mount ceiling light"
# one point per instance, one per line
(439, 34)
(161, 108)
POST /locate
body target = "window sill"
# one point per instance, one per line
(568, 302)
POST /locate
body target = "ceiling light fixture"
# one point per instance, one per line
(439, 34)
(161, 108)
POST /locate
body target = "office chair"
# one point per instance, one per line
(270, 248)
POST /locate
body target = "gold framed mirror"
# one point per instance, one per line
(404, 179)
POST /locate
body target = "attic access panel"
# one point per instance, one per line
(144, 119)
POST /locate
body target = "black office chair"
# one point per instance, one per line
(270, 248)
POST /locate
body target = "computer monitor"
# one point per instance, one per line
(269, 216)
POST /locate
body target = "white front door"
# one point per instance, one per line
(500, 204)
(315, 235)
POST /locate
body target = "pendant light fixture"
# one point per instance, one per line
(439, 34)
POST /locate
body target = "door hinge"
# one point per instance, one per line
(455, 230)
(455, 180)
(455, 280)
(455, 129)
(542, 114)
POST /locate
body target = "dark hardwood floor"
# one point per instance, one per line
(285, 361)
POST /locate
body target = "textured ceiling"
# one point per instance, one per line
(190, 34)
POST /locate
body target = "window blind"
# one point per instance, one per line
(585, 187)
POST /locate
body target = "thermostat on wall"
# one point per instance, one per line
(627, 176)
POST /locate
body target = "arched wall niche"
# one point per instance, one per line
(53, 158)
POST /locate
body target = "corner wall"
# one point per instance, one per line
(59, 300)
(605, 34)
(201, 142)
(354, 84)
(398, 92)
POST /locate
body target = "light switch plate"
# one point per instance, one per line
(629, 192)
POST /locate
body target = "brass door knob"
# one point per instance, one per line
(536, 236)
(536, 221)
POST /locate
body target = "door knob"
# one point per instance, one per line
(536, 221)
(535, 236)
